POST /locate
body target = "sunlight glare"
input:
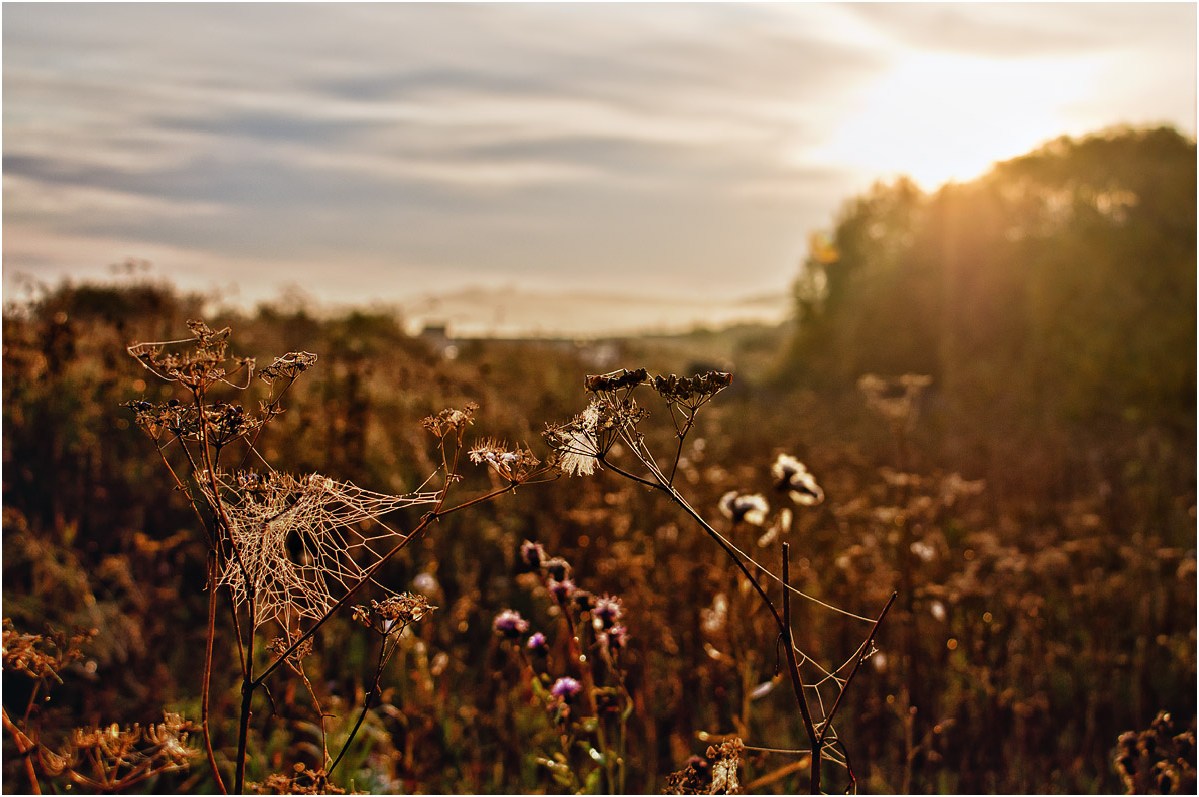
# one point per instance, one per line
(938, 117)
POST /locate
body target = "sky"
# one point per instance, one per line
(380, 152)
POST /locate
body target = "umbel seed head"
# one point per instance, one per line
(599, 383)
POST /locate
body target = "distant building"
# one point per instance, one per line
(437, 335)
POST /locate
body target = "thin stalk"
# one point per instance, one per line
(299, 669)
(682, 435)
(661, 482)
(861, 657)
(25, 747)
(852, 788)
(366, 704)
(727, 548)
(271, 404)
(33, 695)
(248, 685)
(183, 489)
(796, 681)
(627, 475)
(782, 623)
(241, 649)
(206, 689)
(774, 777)
(623, 742)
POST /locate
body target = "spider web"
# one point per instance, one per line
(302, 542)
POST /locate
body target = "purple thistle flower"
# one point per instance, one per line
(537, 643)
(617, 637)
(562, 590)
(532, 554)
(509, 624)
(565, 688)
(582, 600)
(558, 568)
(606, 612)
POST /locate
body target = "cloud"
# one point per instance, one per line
(668, 147)
(1018, 30)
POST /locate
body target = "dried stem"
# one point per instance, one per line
(248, 684)
(862, 654)
(206, 689)
(25, 748)
(797, 684)
(366, 703)
(818, 736)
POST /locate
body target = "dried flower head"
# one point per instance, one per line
(739, 507)
(580, 443)
(694, 778)
(713, 619)
(576, 444)
(725, 760)
(112, 758)
(516, 465)
(288, 366)
(303, 781)
(195, 369)
(894, 399)
(1157, 760)
(280, 644)
(451, 422)
(954, 487)
(792, 477)
(576, 453)
(219, 423)
(692, 391)
(923, 551)
(393, 614)
(40, 656)
(616, 380)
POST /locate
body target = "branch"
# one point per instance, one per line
(863, 652)
(796, 678)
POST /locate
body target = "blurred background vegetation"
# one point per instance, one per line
(1052, 302)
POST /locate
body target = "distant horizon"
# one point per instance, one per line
(507, 311)
(382, 152)
(504, 309)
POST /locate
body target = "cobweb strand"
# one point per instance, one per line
(302, 542)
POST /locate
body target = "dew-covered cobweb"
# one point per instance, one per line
(302, 542)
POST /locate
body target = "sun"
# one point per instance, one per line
(937, 117)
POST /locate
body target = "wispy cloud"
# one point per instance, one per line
(666, 148)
